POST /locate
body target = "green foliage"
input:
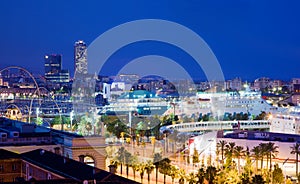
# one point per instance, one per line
(141, 169)
(174, 172)
(38, 120)
(277, 174)
(164, 167)
(221, 177)
(248, 170)
(156, 162)
(149, 167)
(258, 179)
(195, 157)
(256, 153)
(245, 178)
(181, 175)
(221, 148)
(134, 164)
(232, 177)
(57, 120)
(114, 125)
(191, 178)
(229, 151)
(210, 174)
(295, 150)
(200, 175)
(261, 116)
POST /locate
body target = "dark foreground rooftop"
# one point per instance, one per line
(74, 171)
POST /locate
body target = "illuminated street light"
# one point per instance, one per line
(71, 119)
(37, 111)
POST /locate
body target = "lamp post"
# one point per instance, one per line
(71, 120)
(210, 154)
(174, 110)
(37, 111)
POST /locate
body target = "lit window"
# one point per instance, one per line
(89, 161)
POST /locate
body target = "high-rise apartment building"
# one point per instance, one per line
(80, 57)
(53, 69)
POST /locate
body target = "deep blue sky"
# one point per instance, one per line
(249, 38)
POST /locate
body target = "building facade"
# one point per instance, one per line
(53, 69)
(41, 165)
(80, 57)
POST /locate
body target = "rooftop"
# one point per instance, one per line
(4, 154)
(69, 168)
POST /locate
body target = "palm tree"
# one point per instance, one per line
(210, 174)
(200, 175)
(221, 145)
(256, 154)
(181, 176)
(263, 152)
(229, 150)
(238, 152)
(296, 151)
(149, 168)
(127, 158)
(156, 160)
(174, 172)
(121, 157)
(191, 178)
(134, 164)
(271, 151)
(165, 167)
(195, 157)
(248, 165)
(258, 179)
(141, 168)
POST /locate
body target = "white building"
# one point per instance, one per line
(206, 146)
(286, 123)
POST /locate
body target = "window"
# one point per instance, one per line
(14, 167)
(49, 176)
(89, 161)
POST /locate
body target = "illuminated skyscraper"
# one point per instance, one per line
(53, 69)
(52, 63)
(80, 57)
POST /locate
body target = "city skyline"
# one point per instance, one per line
(249, 39)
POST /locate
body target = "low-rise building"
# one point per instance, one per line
(22, 137)
(42, 165)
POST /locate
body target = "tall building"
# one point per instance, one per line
(52, 63)
(80, 57)
(53, 69)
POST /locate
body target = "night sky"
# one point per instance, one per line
(249, 38)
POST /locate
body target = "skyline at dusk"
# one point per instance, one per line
(250, 39)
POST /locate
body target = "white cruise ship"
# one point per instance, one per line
(140, 101)
(219, 103)
(288, 122)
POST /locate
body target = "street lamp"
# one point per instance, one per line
(210, 151)
(37, 111)
(174, 110)
(71, 119)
